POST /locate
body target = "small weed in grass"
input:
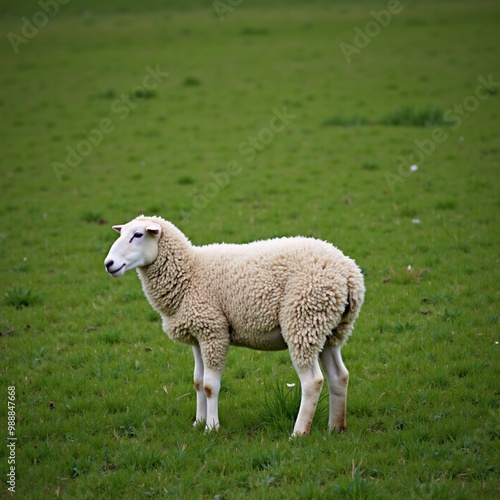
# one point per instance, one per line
(446, 205)
(451, 315)
(81, 467)
(92, 216)
(264, 460)
(128, 430)
(357, 488)
(22, 297)
(345, 121)
(138, 457)
(185, 180)
(23, 267)
(405, 326)
(408, 211)
(281, 406)
(141, 94)
(153, 316)
(191, 81)
(369, 165)
(439, 298)
(406, 116)
(107, 94)
(110, 337)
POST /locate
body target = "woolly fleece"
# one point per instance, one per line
(227, 294)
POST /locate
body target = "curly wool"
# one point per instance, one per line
(226, 294)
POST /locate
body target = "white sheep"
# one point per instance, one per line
(299, 294)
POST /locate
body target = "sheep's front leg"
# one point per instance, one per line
(213, 351)
(211, 388)
(337, 377)
(201, 399)
(311, 381)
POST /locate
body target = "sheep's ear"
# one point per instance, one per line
(118, 229)
(153, 228)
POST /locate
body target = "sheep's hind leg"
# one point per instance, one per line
(311, 381)
(201, 399)
(337, 377)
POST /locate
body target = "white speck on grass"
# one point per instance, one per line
(414, 168)
(290, 385)
(416, 221)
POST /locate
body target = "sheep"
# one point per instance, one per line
(298, 293)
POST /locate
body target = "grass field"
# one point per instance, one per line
(374, 125)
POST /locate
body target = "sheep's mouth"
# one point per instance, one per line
(113, 273)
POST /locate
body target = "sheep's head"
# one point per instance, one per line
(137, 246)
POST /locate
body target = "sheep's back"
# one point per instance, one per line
(253, 282)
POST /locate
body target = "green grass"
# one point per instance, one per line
(104, 400)
(21, 297)
(403, 117)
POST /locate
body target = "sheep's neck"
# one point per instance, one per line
(165, 281)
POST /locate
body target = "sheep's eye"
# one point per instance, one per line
(136, 235)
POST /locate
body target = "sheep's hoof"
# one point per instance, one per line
(296, 435)
(211, 428)
(341, 429)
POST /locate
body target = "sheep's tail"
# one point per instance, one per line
(355, 294)
(355, 298)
